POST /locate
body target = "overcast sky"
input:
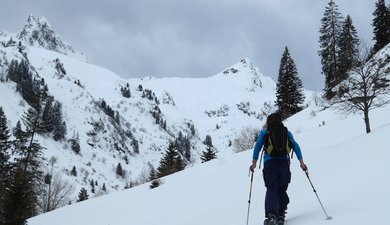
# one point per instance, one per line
(191, 38)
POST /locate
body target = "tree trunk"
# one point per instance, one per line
(367, 121)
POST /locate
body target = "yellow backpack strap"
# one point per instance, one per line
(270, 146)
(289, 146)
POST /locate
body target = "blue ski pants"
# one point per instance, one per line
(277, 176)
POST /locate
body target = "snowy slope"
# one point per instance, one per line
(347, 167)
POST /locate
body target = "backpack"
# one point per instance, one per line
(276, 141)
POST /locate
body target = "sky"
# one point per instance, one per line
(191, 38)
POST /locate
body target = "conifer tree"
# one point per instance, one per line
(5, 167)
(119, 170)
(171, 162)
(47, 115)
(59, 125)
(208, 140)
(26, 85)
(83, 195)
(60, 131)
(381, 24)
(349, 48)
(329, 43)
(154, 178)
(19, 135)
(289, 89)
(75, 145)
(92, 183)
(13, 71)
(26, 176)
(209, 154)
(155, 183)
(183, 145)
(20, 199)
(73, 172)
(5, 146)
(32, 119)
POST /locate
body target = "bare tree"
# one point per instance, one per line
(56, 191)
(367, 87)
(246, 139)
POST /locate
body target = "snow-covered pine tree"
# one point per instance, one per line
(83, 195)
(75, 144)
(381, 24)
(73, 172)
(47, 115)
(5, 146)
(5, 166)
(349, 48)
(26, 85)
(119, 170)
(12, 73)
(24, 186)
(209, 154)
(183, 145)
(92, 183)
(329, 43)
(154, 178)
(171, 162)
(289, 88)
(208, 140)
(59, 124)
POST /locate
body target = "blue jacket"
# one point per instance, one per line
(260, 143)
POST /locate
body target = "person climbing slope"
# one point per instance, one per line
(277, 143)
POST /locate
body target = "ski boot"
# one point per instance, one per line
(271, 219)
(281, 217)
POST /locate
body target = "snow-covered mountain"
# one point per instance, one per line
(39, 33)
(154, 111)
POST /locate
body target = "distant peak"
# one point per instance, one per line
(38, 32)
(245, 61)
(243, 64)
(30, 18)
(36, 29)
(245, 70)
(37, 23)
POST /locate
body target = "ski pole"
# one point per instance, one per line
(315, 192)
(249, 201)
(250, 188)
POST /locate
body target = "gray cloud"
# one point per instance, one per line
(193, 37)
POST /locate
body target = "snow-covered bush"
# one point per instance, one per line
(245, 140)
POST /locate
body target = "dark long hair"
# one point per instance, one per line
(274, 119)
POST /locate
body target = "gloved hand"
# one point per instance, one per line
(303, 166)
(253, 166)
(251, 169)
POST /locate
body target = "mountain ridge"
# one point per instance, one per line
(158, 111)
(39, 33)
